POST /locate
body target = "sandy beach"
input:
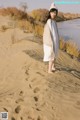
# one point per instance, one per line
(27, 91)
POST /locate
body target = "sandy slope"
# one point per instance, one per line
(27, 91)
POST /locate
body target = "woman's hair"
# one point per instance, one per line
(52, 10)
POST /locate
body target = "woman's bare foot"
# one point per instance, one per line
(50, 72)
(53, 69)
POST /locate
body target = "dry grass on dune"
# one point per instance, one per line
(70, 47)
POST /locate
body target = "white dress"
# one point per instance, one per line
(49, 53)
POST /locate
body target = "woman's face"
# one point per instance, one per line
(53, 15)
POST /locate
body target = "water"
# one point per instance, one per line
(70, 30)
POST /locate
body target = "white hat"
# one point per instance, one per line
(52, 6)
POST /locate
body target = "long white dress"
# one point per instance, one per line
(51, 52)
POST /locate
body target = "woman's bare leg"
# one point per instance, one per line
(53, 66)
(50, 66)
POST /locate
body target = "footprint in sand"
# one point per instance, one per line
(21, 93)
(18, 109)
(27, 72)
(19, 100)
(30, 86)
(36, 98)
(5, 109)
(33, 80)
(13, 118)
(36, 90)
(26, 79)
(38, 109)
(39, 118)
(21, 118)
(29, 117)
(40, 74)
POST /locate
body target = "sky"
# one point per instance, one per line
(36, 4)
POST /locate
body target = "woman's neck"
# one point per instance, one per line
(52, 19)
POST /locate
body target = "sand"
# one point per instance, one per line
(27, 91)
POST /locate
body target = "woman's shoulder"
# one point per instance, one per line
(49, 20)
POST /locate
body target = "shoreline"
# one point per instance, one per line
(68, 20)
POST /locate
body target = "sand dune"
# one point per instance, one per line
(27, 91)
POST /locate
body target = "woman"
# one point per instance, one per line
(51, 39)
